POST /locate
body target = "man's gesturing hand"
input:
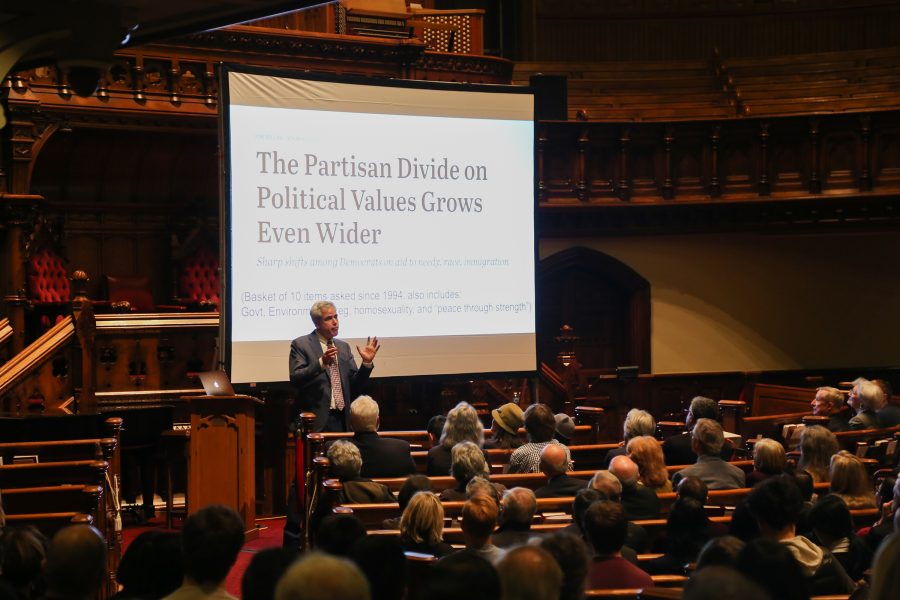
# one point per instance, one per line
(368, 353)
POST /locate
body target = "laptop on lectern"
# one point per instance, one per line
(216, 383)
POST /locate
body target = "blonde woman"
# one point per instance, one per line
(850, 481)
(647, 454)
(768, 459)
(422, 526)
(817, 446)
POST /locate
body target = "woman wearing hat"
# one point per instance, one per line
(505, 427)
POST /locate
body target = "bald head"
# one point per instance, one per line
(76, 562)
(625, 470)
(553, 460)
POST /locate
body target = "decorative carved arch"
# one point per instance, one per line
(590, 290)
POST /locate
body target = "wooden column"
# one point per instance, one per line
(20, 212)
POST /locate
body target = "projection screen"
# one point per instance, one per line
(411, 206)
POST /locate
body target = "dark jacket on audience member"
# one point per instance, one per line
(888, 416)
(510, 535)
(677, 450)
(627, 551)
(439, 461)
(839, 422)
(560, 486)
(714, 472)
(620, 451)
(640, 502)
(383, 456)
(361, 491)
(440, 549)
(866, 419)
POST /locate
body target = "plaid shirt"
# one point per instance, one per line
(527, 458)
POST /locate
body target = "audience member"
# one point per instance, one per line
(422, 526)
(722, 583)
(774, 567)
(692, 487)
(23, 550)
(412, 485)
(720, 551)
(776, 504)
(605, 525)
(507, 420)
(565, 428)
(829, 402)
(707, 439)
(540, 427)
(888, 414)
(319, 576)
(817, 446)
(637, 423)
(152, 567)
(76, 564)
(480, 485)
(640, 502)
(462, 425)
(517, 510)
(463, 574)
(864, 399)
(885, 574)
(687, 530)
(434, 428)
(610, 488)
(262, 574)
(529, 573)
(346, 465)
(647, 454)
(337, 533)
(832, 525)
(850, 481)
(678, 449)
(382, 561)
(381, 456)
(889, 500)
(466, 461)
(571, 555)
(768, 459)
(211, 540)
(479, 518)
(559, 484)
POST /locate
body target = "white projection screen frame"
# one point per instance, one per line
(410, 205)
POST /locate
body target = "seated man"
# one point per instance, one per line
(479, 517)
(212, 538)
(516, 515)
(776, 504)
(553, 465)
(864, 399)
(637, 423)
(75, 568)
(320, 576)
(707, 439)
(888, 414)
(346, 464)
(381, 456)
(540, 427)
(610, 488)
(829, 402)
(639, 501)
(605, 525)
(530, 573)
(677, 449)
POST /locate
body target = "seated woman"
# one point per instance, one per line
(505, 427)
(422, 526)
(817, 446)
(346, 463)
(467, 461)
(647, 454)
(462, 425)
(850, 481)
(832, 524)
(768, 459)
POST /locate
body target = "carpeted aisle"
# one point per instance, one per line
(269, 536)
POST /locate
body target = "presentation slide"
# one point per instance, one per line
(411, 208)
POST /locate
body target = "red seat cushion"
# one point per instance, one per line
(47, 278)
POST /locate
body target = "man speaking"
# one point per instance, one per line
(324, 371)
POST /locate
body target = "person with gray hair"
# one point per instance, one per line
(707, 439)
(639, 501)
(829, 402)
(319, 576)
(467, 461)
(346, 463)
(865, 399)
(610, 488)
(462, 425)
(381, 456)
(637, 423)
(517, 510)
(678, 449)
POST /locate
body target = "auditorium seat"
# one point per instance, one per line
(198, 281)
(48, 288)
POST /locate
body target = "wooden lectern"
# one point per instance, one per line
(222, 455)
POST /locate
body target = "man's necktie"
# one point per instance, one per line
(335, 375)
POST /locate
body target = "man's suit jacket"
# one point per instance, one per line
(560, 486)
(312, 382)
(640, 502)
(715, 473)
(677, 450)
(383, 456)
